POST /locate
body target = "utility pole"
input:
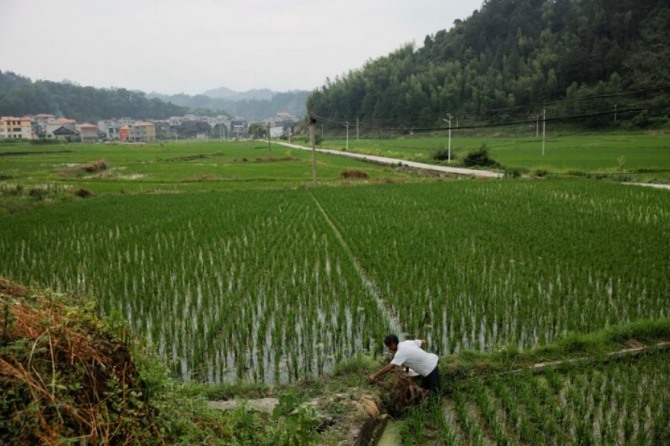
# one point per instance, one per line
(269, 144)
(347, 144)
(312, 139)
(449, 146)
(544, 128)
(537, 125)
(615, 110)
(356, 129)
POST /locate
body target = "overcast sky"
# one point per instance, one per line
(190, 46)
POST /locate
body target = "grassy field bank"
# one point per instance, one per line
(170, 166)
(635, 156)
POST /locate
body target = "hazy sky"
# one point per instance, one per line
(173, 46)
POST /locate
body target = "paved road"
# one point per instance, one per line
(396, 162)
(657, 186)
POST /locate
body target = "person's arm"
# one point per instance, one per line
(375, 376)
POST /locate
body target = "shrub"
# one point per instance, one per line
(479, 157)
(84, 193)
(354, 174)
(441, 155)
(512, 173)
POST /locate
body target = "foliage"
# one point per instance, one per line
(441, 155)
(296, 423)
(479, 158)
(20, 96)
(354, 174)
(507, 59)
(65, 375)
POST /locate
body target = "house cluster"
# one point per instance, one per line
(49, 127)
(46, 126)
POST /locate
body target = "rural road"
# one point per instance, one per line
(657, 186)
(396, 162)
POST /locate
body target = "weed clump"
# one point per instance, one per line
(82, 169)
(84, 193)
(354, 174)
(64, 374)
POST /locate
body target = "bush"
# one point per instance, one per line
(84, 193)
(354, 174)
(512, 173)
(479, 157)
(441, 155)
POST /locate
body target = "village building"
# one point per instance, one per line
(52, 126)
(16, 128)
(88, 132)
(40, 124)
(142, 131)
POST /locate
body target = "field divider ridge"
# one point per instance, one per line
(368, 282)
(383, 160)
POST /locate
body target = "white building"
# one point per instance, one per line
(16, 128)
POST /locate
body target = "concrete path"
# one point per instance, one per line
(397, 162)
(657, 186)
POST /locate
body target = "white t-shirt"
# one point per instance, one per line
(410, 354)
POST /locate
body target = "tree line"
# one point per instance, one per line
(513, 58)
(20, 96)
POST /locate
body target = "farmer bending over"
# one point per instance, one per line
(409, 354)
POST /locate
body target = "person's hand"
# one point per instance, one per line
(372, 379)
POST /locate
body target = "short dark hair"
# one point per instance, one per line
(391, 339)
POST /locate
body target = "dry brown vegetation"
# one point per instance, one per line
(63, 375)
(354, 174)
(92, 167)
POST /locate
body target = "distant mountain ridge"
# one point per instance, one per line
(257, 104)
(232, 95)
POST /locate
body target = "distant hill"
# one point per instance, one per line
(227, 93)
(252, 104)
(20, 96)
(511, 59)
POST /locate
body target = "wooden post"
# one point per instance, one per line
(312, 138)
(544, 128)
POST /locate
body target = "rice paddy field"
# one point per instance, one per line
(236, 271)
(615, 403)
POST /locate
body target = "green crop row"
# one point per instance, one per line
(613, 403)
(486, 265)
(277, 285)
(226, 286)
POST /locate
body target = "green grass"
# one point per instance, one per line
(176, 166)
(645, 156)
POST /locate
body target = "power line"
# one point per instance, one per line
(650, 89)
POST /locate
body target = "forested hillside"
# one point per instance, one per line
(598, 58)
(21, 96)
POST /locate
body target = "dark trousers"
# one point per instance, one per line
(431, 382)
